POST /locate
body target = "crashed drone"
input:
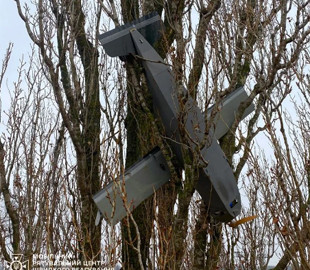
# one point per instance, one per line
(216, 184)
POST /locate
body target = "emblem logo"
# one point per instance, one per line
(17, 263)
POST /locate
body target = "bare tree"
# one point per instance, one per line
(29, 163)
(213, 47)
(58, 30)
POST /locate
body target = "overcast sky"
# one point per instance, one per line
(12, 30)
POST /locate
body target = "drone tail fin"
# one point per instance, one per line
(118, 42)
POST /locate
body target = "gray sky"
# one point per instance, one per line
(12, 30)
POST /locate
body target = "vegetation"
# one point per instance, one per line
(78, 118)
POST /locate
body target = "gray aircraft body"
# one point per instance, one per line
(216, 183)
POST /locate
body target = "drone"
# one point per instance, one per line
(216, 183)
